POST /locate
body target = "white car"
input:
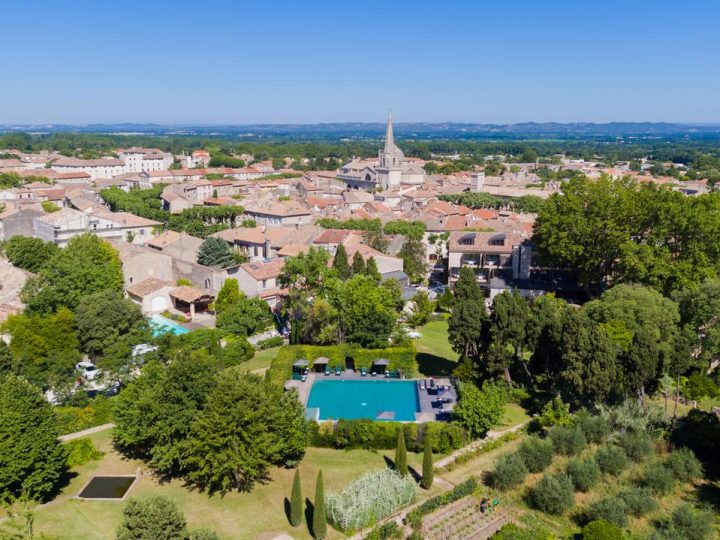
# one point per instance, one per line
(414, 334)
(88, 370)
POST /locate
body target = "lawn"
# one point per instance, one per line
(435, 355)
(261, 361)
(235, 516)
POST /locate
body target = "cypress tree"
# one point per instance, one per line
(296, 501)
(401, 454)
(358, 264)
(341, 264)
(427, 472)
(319, 525)
(372, 269)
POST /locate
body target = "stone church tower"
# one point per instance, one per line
(391, 158)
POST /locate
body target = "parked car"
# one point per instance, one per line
(88, 370)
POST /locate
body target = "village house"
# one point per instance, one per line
(59, 227)
(261, 279)
(279, 213)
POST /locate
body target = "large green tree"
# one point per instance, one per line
(700, 313)
(340, 262)
(87, 265)
(154, 518)
(32, 461)
(545, 336)
(479, 410)
(246, 427)
(44, 348)
(413, 255)
(246, 317)
(215, 252)
(154, 413)
(306, 271)
(28, 253)
(105, 318)
(507, 328)
(228, 296)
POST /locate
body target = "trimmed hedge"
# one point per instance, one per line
(402, 358)
(468, 487)
(269, 343)
(371, 435)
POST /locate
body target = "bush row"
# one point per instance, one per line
(365, 433)
(402, 358)
(97, 412)
(414, 517)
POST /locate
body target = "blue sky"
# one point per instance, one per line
(319, 61)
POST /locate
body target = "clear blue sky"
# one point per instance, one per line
(311, 61)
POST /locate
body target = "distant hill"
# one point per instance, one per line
(421, 131)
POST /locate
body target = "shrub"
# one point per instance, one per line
(637, 445)
(81, 451)
(638, 501)
(71, 419)
(610, 509)
(387, 530)
(700, 385)
(595, 428)
(691, 523)
(658, 478)
(236, 351)
(553, 494)
(567, 440)
(155, 517)
(511, 531)
(536, 453)
(369, 498)
(584, 473)
(685, 523)
(269, 343)
(203, 534)
(455, 494)
(684, 465)
(509, 472)
(602, 530)
(612, 460)
(555, 413)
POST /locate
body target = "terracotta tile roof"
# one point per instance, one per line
(264, 270)
(333, 236)
(190, 294)
(164, 239)
(147, 286)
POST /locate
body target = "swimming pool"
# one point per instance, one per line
(378, 399)
(162, 325)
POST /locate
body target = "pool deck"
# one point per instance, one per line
(430, 408)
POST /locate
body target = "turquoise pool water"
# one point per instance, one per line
(162, 325)
(378, 399)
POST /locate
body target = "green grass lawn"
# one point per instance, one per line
(435, 355)
(261, 360)
(260, 513)
(514, 415)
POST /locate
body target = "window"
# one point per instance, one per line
(264, 283)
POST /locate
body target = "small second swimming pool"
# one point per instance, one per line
(162, 325)
(378, 399)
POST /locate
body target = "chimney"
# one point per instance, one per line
(268, 249)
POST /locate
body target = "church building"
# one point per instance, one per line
(389, 170)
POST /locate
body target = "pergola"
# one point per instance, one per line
(190, 299)
(380, 365)
(320, 363)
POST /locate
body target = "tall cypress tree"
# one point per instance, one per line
(401, 454)
(427, 472)
(358, 264)
(468, 317)
(296, 501)
(371, 269)
(341, 264)
(319, 525)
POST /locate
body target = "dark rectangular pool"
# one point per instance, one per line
(107, 487)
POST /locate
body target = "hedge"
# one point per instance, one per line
(414, 517)
(402, 358)
(71, 419)
(371, 435)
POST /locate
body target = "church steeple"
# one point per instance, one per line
(389, 139)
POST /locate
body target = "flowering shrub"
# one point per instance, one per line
(370, 498)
